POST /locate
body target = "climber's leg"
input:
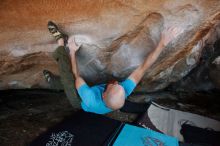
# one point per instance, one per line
(64, 65)
(66, 76)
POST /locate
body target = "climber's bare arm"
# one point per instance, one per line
(73, 49)
(139, 72)
(167, 36)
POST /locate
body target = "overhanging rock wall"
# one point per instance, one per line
(116, 36)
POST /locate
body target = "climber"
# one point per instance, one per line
(102, 98)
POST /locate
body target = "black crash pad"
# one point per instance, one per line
(81, 129)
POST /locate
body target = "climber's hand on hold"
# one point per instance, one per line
(73, 47)
(169, 34)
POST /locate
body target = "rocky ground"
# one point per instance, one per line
(24, 114)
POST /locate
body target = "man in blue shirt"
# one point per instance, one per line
(104, 98)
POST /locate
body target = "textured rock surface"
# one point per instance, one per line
(205, 76)
(115, 35)
(214, 72)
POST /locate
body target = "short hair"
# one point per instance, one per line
(115, 98)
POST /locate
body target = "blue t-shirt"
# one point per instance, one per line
(92, 96)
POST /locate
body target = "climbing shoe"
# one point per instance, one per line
(55, 32)
(47, 75)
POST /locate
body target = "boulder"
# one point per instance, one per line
(115, 37)
(204, 77)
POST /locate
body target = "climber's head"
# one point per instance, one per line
(114, 95)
